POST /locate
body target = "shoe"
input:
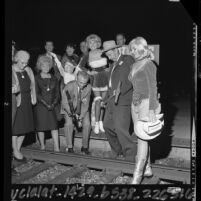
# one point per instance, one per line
(24, 159)
(96, 128)
(14, 172)
(120, 156)
(69, 150)
(101, 126)
(85, 151)
(148, 171)
(139, 170)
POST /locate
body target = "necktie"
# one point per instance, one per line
(78, 110)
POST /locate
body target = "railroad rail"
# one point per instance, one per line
(83, 162)
(176, 142)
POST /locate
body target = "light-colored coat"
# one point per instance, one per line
(32, 86)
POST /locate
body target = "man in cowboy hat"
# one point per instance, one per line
(118, 115)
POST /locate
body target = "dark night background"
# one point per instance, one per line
(31, 22)
(158, 21)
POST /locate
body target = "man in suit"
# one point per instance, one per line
(80, 92)
(118, 116)
(121, 41)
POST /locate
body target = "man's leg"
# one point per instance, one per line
(110, 130)
(113, 141)
(86, 127)
(122, 124)
(68, 130)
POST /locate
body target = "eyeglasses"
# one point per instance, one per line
(24, 63)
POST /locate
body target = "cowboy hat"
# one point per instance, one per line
(109, 45)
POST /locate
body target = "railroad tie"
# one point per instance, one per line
(31, 173)
(74, 172)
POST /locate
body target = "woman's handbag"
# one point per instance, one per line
(146, 130)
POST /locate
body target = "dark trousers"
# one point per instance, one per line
(116, 124)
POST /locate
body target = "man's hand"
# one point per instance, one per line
(103, 104)
(79, 120)
(68, 113)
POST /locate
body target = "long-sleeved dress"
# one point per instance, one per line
(47, 90)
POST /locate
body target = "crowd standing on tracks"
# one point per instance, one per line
(108, 87)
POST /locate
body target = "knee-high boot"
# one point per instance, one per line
(139, 170)
(148, 171)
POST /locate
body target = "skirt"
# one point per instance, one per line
(45, 119)
(100, 81)
(24, 122)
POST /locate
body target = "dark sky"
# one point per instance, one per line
(158, 21)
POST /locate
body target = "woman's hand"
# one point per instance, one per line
(53, 54)
(50, 107)
(15, 89)
(152, 116)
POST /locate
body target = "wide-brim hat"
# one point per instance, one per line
(109, 45)
(146, 130)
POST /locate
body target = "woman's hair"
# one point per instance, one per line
(141, 44)
(95, 38)
(41, 60)
(70, 45)
(21, 55)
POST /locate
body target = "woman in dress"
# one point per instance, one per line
(15, 91)
(98, 65)
(23, 122)
(47, 93)
(145, 104)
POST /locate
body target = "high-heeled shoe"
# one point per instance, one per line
(14, 172)
(24, 159)
(148, 170)
(96, 128)
(139, 170)
(101, 127)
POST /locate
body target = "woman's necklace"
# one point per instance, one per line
(48, 81)
(48, 85)
(22, 75)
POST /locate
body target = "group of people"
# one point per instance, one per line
(120, 80)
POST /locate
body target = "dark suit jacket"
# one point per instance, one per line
(120, 73)
(72, 88)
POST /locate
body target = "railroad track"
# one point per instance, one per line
(77, 168)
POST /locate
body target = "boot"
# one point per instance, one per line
(101, 126)
(96, 128)
(139, 170)
(148, 171)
